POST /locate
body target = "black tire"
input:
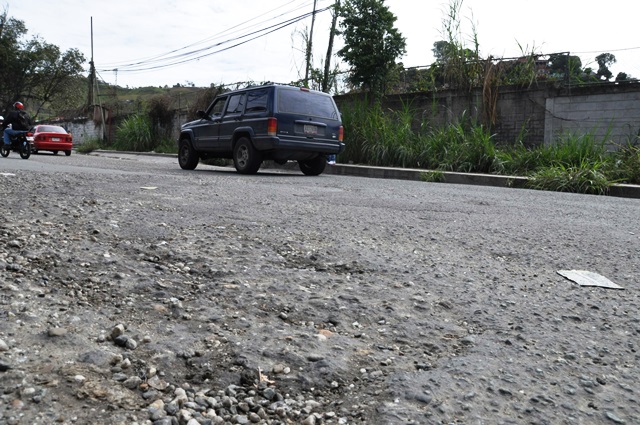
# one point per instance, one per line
(188, 158)
(313, 167)
(4, 151)
(246, 158)
(25, 151)
(67, 153)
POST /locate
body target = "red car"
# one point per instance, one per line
(51, 138)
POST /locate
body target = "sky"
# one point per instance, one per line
(138, 43)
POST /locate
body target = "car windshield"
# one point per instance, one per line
(50, 129)
(302, 102)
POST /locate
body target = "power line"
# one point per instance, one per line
(607, 50)
(232, 30)
(170, 59)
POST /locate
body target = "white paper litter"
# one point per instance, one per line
(587, 278)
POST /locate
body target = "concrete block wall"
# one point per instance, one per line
(82, 130)
(535, 115)
(612, 117)
(520, 116)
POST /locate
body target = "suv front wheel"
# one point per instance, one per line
(313, 167)
(187, 156)
(246, 158)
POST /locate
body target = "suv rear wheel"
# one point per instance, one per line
(313, 167)
(187, 156)
(246, 158)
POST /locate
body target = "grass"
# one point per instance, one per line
(433, 176)
(582, 179)
(573, 163)
(135, 134)
(89, 146)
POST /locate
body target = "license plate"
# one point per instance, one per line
(55, 139)
(310, 129)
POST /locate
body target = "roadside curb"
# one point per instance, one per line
(617, 190)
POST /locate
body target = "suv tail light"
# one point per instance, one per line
(272, 126)
(341, 133)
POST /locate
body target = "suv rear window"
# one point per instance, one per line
(299, 102)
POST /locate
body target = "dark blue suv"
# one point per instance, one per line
(270, 122)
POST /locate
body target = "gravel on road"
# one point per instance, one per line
(133, 292)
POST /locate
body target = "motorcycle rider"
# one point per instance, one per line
(19, 121)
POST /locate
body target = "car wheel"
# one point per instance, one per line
(187, 156)
(4, 151)
(67, 153)
(246, 158)
(55, 152)
(25, 151)
(313, 167)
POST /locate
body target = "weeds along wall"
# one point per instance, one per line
(536, 115)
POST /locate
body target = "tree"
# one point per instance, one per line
(604, 60)
(565, 65)
(441, 50)
(371, 43)
(33, 71)
(444, 51)
(623, 76)
(327, 63)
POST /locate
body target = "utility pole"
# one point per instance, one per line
(92, 74)
(332, 33)
(313, 20)
(93, 86)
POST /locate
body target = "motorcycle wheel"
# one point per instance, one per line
(25, 151)
(4, 151)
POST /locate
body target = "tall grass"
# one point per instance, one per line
(464, 146)
(625, 163)
(574, 162)
(89, 145)
(379, 138)
(570, 150)
(386, 138)
(135, 134)
(585, 178)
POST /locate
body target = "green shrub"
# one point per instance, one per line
(624, 166)
(433, 177)
(580, 179)
(89, 145)
(167, 145)
(576, 151)
(465, 147)
(135, 134)
(575, 163)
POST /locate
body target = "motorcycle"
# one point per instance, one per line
(22, 143)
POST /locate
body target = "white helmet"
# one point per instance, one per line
(1, 118)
